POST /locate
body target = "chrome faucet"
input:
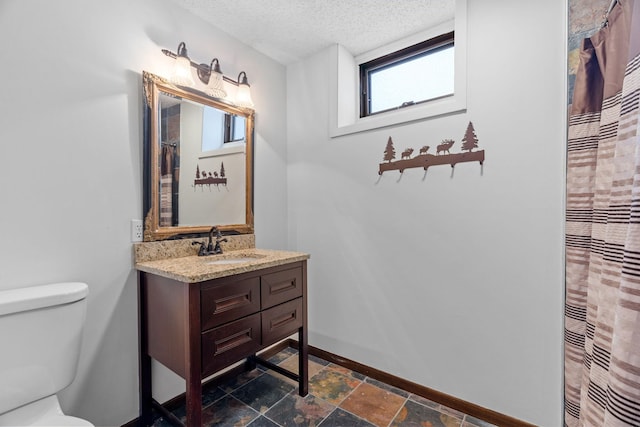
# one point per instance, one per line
(210, 249)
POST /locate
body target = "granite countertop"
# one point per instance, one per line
(192, 269)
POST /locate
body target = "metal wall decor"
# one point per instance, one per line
(210, 178)
(443, 156)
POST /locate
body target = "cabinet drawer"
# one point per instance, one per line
(281, 321)
(222, 303)
(280, 287)
(229, 343)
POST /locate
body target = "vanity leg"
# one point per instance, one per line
(194, 404)
(144, 361)
(303, 362)
(250, 364)
(194, 362)
(146, 415)
(303, 345)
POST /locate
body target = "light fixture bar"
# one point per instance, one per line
(203, 70)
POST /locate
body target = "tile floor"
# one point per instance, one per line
(338, 397)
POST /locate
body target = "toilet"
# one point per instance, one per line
(41, 332)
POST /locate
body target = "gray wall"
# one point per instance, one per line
(72, 170)
(451, 280)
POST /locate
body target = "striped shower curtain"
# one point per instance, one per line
(169, 175)
(602, 308)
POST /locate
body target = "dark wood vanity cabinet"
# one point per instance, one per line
(197, 329)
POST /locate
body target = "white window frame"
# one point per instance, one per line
(344, 85)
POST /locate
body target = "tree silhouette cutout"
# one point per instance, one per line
(389, 151)
(197, 171)
(221, 170)
(470, 140)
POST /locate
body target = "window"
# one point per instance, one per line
(234, 128)
(219, 128)
(345, 91)
(416, 74)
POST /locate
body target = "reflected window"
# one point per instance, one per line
(219, 128)
(213, 131)
(234, 128)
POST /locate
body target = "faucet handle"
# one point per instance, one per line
(201, 249)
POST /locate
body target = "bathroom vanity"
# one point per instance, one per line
(199, 315)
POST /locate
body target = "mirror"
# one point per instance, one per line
(198, 162)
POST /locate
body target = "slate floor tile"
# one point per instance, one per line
(228, 412)
(332, 386)
(284, 354)
(261, 421)
(241, 380)
(318, 360)
(297, 411)
(211, 395)
(291, 364)
(388, 387)
(341, 418)
(345, 371)
(263, 392)
(413, 414)
(374, 404)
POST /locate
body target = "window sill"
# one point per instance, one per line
(448, 105)
(228, 148)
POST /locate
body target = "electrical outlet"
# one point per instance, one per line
(136, 230)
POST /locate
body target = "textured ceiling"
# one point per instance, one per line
(290, 30)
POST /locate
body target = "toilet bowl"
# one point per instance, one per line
(41, 329)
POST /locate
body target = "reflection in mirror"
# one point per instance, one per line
(198, 162)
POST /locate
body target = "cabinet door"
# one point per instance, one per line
(281, 286)
(223, 302)
(281, 321)
(230, 343)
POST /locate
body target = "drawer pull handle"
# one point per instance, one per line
(231, 302)
(283, 320)
(232, 341)
(282, 286)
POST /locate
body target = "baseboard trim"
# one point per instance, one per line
(469, 408)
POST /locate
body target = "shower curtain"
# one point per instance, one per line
(602, 307)
(169, 175)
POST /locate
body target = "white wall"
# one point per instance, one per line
(451, 280)
(208, 204)
(71, 173)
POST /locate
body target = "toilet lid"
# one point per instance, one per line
(35, 297)
(62, 421)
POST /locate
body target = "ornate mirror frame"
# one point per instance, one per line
(152, 86)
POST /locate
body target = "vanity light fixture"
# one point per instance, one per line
(215, 87)
(182, 67)
(243, 97)
(210, 75)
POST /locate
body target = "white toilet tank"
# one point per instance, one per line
(40, 335)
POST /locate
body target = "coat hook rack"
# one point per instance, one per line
(442, 157)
